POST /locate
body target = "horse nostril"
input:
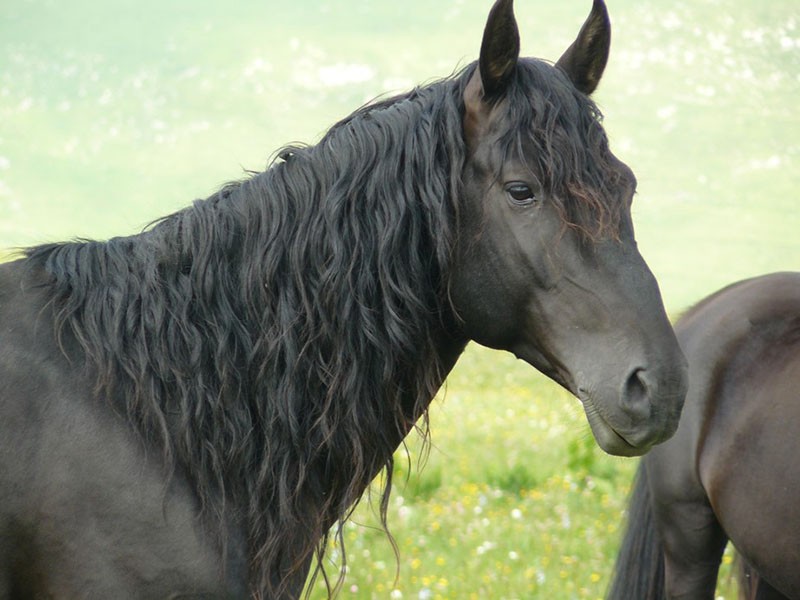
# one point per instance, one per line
(635, 399)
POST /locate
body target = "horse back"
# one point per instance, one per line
(87, 508)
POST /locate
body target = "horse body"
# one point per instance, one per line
(189, 412)
(64, 454)
(730, 472)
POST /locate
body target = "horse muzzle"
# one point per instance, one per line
(643, 411)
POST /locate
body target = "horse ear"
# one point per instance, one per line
(585, 60)
(496, 65)
(499, 48)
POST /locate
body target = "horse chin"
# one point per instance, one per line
(546, 366)
(606, 436)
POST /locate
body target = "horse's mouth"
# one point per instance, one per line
(611, 441)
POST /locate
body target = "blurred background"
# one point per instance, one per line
(115, 113)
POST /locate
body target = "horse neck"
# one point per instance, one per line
(327, 509)
(290, 321)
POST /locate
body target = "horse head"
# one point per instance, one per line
(547, 264)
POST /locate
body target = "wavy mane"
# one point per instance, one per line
(276, 340)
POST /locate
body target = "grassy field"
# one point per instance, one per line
(514, 500)
(112, 114)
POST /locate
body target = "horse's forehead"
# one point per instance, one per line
(535, 111)
(513, 134)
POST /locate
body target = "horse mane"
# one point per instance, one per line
(277, 338)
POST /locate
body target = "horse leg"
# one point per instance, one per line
(767, 592)
(752, 586)
(693, 545)
(764, 591)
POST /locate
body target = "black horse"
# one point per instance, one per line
(731, 471)
(190, 411)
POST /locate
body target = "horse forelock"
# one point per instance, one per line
(559, 132)
(277, 338)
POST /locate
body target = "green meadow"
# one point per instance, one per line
(115, 113)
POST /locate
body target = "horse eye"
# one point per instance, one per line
(520, 193)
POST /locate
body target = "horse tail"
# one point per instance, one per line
(639, 570)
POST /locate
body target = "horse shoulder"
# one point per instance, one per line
(719, 331)
(748, 350)
(25, 382)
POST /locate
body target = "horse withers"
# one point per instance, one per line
(731, 471)
(188, 412)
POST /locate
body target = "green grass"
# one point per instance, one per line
(514, 500)
(112, 114)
